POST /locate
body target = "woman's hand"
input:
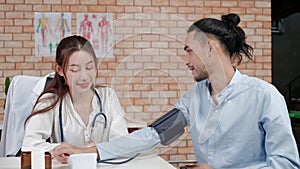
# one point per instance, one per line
(62, 152)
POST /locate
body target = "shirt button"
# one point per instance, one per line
(216, 111)
(210, 153)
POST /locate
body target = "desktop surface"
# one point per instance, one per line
(145, 162)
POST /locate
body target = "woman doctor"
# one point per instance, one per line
(71, 109)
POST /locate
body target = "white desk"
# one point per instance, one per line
(147, 162)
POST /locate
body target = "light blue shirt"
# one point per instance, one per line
(248, 128)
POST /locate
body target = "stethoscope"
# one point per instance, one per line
(93, 122)
(107, 161)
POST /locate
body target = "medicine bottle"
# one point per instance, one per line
(26, 160)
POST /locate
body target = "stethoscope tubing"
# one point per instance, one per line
(93, 122)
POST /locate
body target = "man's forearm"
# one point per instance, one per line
(140, 141)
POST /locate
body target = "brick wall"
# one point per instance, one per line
(147, 70)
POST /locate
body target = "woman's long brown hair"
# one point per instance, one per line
(58, 88)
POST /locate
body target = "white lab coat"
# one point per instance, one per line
(46, 125)
(22, 94)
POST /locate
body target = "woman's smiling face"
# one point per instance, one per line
(81, 72)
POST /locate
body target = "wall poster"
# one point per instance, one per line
(98, 29)
(50, 28)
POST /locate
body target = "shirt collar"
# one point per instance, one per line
(228, 89)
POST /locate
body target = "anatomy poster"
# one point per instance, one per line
(50, 28)
(98, 29)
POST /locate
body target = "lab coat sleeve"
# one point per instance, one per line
(118, 123)
(139, 141)
(38, 129)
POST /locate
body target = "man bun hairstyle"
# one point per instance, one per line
(228, 33)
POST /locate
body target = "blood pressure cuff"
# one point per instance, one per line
(170, 126)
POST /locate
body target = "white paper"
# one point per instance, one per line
(80, 161)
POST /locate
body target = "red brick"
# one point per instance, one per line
(13, 29)
(70, 2)
(178, 2)
(11, 73)
(136, 9)
(229, 3)
(239, 11)
(78, 8)
(186, 9)
(148, 9)
(14, 1)
(23, 66)
(194, 3)
(23, 22)
(165, 9)
(43, 66)
(2, 15)
(160, 2)
(142, 2)
(33, 1)
(255, 11)
(202, 10)
(246, 4)
(106, 2)
(88, 2)
(6, 51)
(28, 29)
(21, 51)
(52, 2)
(6, 22)
(7, 66)
(29, 15)
(220, 10)
(116, 9)
(60, 8)
(124, 2)
(20, 7)
(254, 24)
(6, 7)
(263, 4)
(263, 18)
(14, 15)
(12, 44)
(212, 3)
(14, 59)
(22, 36)
(267, 11)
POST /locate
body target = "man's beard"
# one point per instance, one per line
(199, 78)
